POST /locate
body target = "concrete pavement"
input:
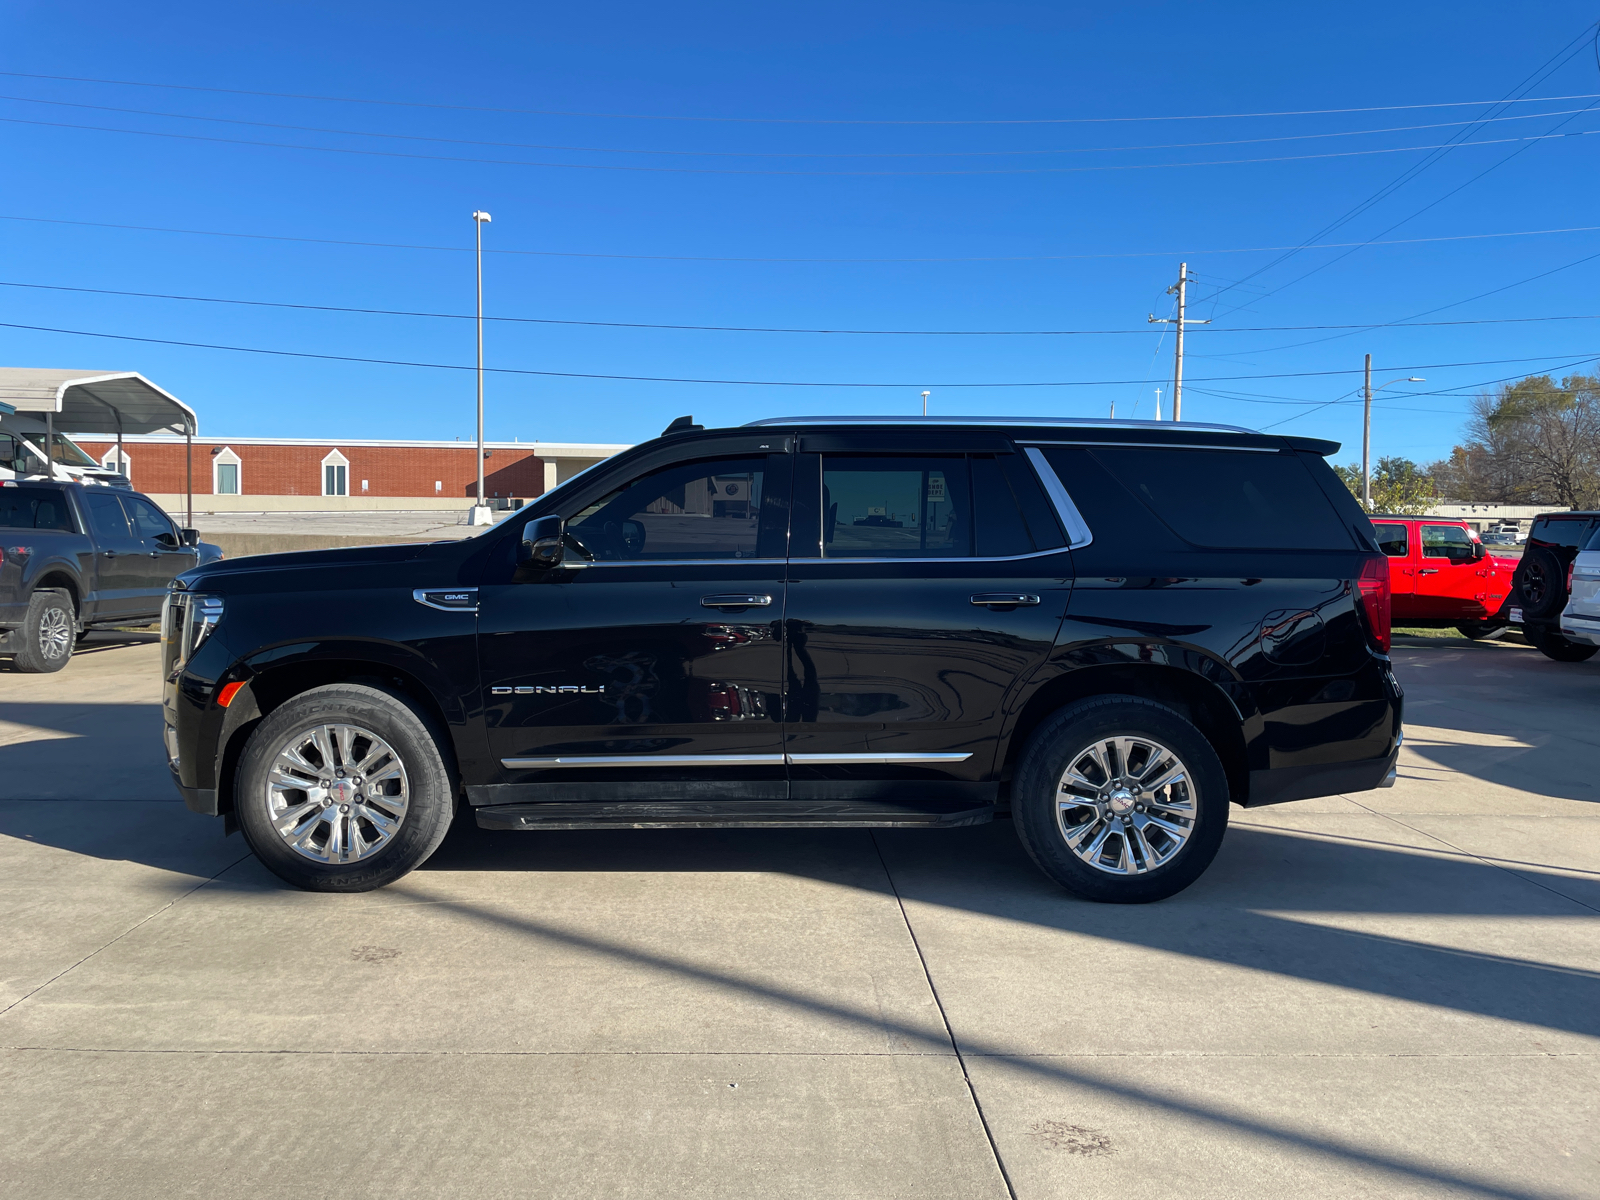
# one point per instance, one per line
(1391, 993)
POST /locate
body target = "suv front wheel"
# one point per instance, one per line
(1121, 800)
(343, 789)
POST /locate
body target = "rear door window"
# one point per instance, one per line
(918, 506)
(34, 508)
(106, 517)
(1234, 499)
(1392, 540)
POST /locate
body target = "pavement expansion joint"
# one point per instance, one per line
(137, 924)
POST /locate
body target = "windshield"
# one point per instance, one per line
(64, 450)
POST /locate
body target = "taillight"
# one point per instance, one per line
(1374, 587)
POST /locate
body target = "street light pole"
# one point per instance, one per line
(1366, 442)
(925, 403)
(1366, 430)
(480, 511)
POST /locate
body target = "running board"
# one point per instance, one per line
(733, 814)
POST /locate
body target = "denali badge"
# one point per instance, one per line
(565, 689)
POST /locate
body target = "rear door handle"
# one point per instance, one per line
(743, 600)
(108, 553)
(1428, 571)
(1007, 599)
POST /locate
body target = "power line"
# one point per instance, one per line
(995, 258)
(392, 312)
(389, 362)
(551, 112)
(637, 169)
(1550, 65)
(408, 137)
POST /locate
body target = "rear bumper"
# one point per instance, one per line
(1303, 783)
(1580, 628)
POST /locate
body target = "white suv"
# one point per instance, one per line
(1580, 620)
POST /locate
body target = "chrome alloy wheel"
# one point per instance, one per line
(1125, 805)
(55, 633)
(337, 793)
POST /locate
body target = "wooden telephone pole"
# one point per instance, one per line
(1181, 288)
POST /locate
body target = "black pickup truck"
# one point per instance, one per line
(74, 556)
(1107, 630)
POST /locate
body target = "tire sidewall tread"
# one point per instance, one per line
(393, 718)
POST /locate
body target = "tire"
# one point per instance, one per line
(48, 633)
(1482, 631)
(1553, 645)
(347, 838)
(1541, 583)
(1195, 805)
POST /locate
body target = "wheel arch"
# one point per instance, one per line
(55, 577)
(271, 688)
(1197, 700)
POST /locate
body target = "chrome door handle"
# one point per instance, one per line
(740, 601)
(1007, 599)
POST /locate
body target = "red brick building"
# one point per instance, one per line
(439, 472)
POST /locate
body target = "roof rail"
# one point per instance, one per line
(1079, 422)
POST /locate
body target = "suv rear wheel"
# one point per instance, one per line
(343, 789)
(1553, 645)
(48, 632)
(1119, 799)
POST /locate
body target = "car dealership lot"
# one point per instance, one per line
(1396, 993)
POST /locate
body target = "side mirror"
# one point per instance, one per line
(543, 543)
(191, 537)
(1479, 550)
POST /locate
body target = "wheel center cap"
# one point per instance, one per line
(341, 791)
(1121, 801)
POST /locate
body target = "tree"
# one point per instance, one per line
(1398, 486)
(1532, 442)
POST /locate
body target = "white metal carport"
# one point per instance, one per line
(104, 402)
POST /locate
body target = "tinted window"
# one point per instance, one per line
(34, 508)
(1565, 532)
(1236, 499)
(892, 507)
(711, 508)
(996, 519)
(1446, 541)
(1392, 540)
(1594, 540)
(148, 520)
(106, 517)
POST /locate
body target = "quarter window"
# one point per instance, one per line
(1392, 540)
(709, 509)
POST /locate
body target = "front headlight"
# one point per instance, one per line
(187, 619)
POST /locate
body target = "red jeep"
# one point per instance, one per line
(1441, 574)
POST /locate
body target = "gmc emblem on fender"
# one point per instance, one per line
(564, 689)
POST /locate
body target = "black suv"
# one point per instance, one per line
(1542, 583)
(1108, 630)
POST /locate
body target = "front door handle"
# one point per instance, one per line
(743, 600)
(1004, 599)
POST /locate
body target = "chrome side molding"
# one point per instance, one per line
(1078, 534)
(726, 760)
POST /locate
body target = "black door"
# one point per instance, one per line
(924, 587)
(121, 562)
(652, 668)
(163, 551)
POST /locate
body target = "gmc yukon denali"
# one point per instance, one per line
(1107, 631)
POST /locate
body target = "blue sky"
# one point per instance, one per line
(827, 166)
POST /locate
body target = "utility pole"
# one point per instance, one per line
(1182, 290)
(1366, 442)
(480, 512)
